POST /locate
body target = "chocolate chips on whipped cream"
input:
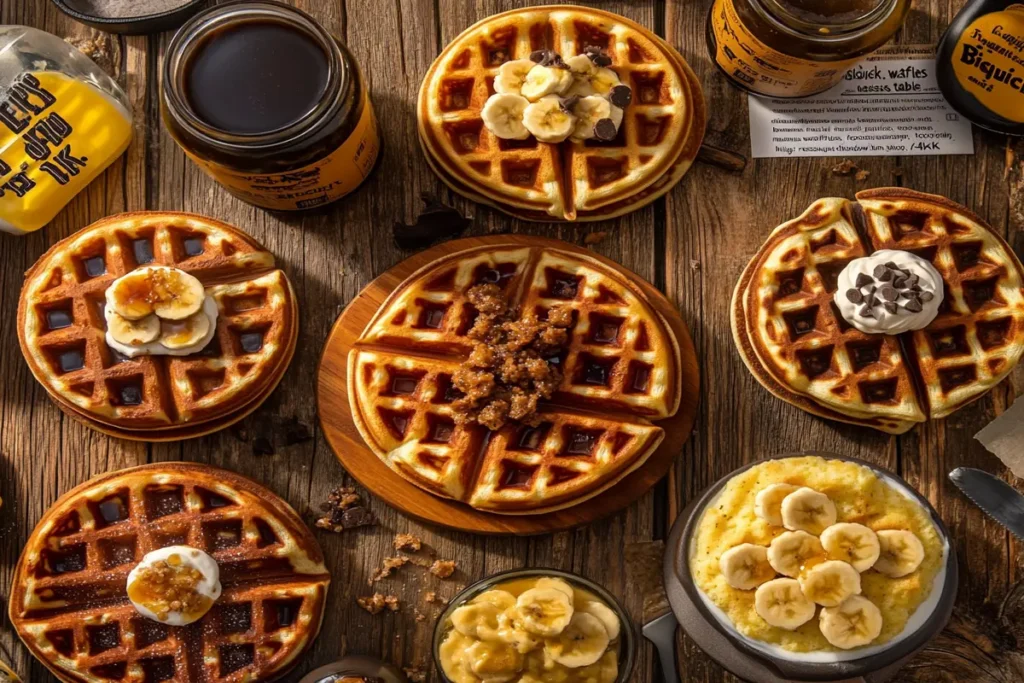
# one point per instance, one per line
(889, 292)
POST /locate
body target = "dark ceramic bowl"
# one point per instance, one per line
(627, 636)
(741, 657)
(355, 666)
(136, 25)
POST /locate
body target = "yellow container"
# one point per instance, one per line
(62, 122)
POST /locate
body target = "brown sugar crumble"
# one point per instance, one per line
(432, 598)
(169, 586)
(388, 567)
(408, 542)
(862, 175)
(508, 372)
(345, 511)
(443, 569)
(845, 167)
(415, 674)
(378, 602)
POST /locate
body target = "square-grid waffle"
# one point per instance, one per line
(798, 345)
(70, 607)
(61, 323)
(657, 141)
(620, 372)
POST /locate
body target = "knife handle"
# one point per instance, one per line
(664, 640)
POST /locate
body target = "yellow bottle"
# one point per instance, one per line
(62, 122)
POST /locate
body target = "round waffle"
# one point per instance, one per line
(621, 374)
(68, 601)
(658, 140)
(61, 326)
(797, 344)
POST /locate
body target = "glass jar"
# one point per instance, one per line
(269, 104)
(63, 120)
(797, 48)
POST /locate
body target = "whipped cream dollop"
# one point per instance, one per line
(889, 292)
(176, 585)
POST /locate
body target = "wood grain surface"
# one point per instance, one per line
(691, 243)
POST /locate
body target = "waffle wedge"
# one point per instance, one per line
(794, 340)
(61, 324)
(657, 141)
(68, 600)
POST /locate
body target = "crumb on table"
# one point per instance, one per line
(388, 567)
(443, 568)
(378, 602)
(408, 542)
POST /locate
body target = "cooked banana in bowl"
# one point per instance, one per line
(533, 626)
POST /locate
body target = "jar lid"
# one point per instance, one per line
(132, 17)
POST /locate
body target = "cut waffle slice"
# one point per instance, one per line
(978, 336)
(795, 341)
(61, 325)
(657, 141)
(68, 600)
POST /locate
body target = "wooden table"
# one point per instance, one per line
(692, 244)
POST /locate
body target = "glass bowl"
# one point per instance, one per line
(627, 637)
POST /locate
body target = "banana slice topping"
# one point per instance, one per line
(901, 553)
(854, 623)
(512, 75)
(853, 543)
(768, 502)
(544, 611)
(746, 566)
(170, 293)
(503, 116)
(791, 551)
(133, 332)
(548, 119)
(830, 583)
(604, 614)
(582, 643)
(782, 603)
(477, 620)
(807, 510)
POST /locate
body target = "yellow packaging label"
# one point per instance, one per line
(989, 61)
(321, 182)
(57, 134)
(763, 69)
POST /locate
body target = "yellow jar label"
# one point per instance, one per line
(763, 69)
(989, 62)
(321, 182)
(57, 134)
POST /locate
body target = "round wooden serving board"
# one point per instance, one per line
(374, 475)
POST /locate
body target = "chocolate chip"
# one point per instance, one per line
(889, 293)
(891, 306)
(871, 300)
(621, 96)
(882, 273)
(605, 130)
(913, 306)
(541, 57)
(569, 103)
(927, 296)
(900, 283)
(597, 55)
(863, 280)
(866, 312)
(915, 288)
(872, 289)
(890, 264)
(913, 279)
(854, 295)
(911, 295)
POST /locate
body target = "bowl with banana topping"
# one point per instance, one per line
(534, 626)
(811, 567)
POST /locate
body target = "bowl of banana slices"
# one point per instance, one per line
(534, 625)
(811, 567)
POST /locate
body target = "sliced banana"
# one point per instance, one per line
(511, 75)
(544, 611)
(604, 614)
(831, 582)
(589, 111)
(790, 551)
(176, 334)
(853, 543)
(477, 620)
(782, 603)
(494, 662)
(808, 510)
(768, 502)
(582, 69)
(548, 121)
(603, 80)
(133, 332)
(511, 631)
(499, 598)
(746, 566)
(582, 642)
(901, 553)
(557, 584)
(856, 622)
(542, 81)
(503, 116)
(170, 293)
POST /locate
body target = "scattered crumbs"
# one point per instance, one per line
(378, 602)
(345, 511)
(862, 175)
(420, 616)
(443, 569)
(388, 567)
(694, 264)
(595, 237)
(845, 167)
(415, 674)
(408, 542)
(433, 598)
(99, 50)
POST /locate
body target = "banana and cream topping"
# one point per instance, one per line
(519, 630)
(555, 99)
(889, 292)
(158, 310)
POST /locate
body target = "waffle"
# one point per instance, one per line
(656, 144)
(620, 372)
(68, 601)
(61, 325)
(793, 338)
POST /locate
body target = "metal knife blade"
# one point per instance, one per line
(995, 497)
